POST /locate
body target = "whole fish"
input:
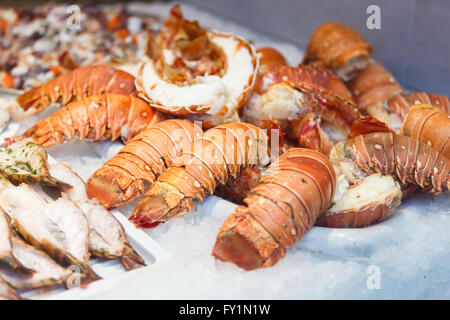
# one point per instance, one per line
(57, 227)
(46, 271)
(107, 239)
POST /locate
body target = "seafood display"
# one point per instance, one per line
(77, 84)
(308, 102)
(296, 189)
(38, 43)
(332, 140)
(222, 152)
(340, 48)
(121, 179)
(107, 116)
(194, 71)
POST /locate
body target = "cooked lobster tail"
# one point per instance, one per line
(402, 102)
(106, 116)
(77, 84)
(403, 157)
(429, 125)
(340, 48)
(121, 179)
(297, 188)
(221, 153)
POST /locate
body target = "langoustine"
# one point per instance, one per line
(121, 179)
(308, 102)
(297, 188)
(196, 72)
(76, 84)
(340, 47)
(371, 88)
(429, 125)
(107, 238)
(214, 158)
(371, 169)
(99, 117)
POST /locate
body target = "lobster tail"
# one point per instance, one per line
(210, 160)
(76, 84)
(121, 179)
(280, 210)
(96, 117)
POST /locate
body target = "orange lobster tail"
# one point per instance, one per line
(121, 179)
(336, 45)
(297, 188)
(76, 84)
(429, 125)
(373, 85)
(99, 117)
(408, 159)
(222, 152)
(401, 103)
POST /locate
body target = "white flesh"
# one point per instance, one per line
(106, 233)
(278, 102)
(60, 222)
(5, 236)
(46, 271)
(349, 70)
(375, 188)
(212, 91)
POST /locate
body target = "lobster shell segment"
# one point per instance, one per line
(121, 179)
(214, 158)
(340, 48)
(297, 188)
(76, 84)
(371, 88)
(106, 116)
(429, 125)
(402, 102)
(409, 160)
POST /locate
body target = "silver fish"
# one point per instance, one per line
(107, 239)
(57, 227)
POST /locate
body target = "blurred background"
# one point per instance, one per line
(412, 42)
